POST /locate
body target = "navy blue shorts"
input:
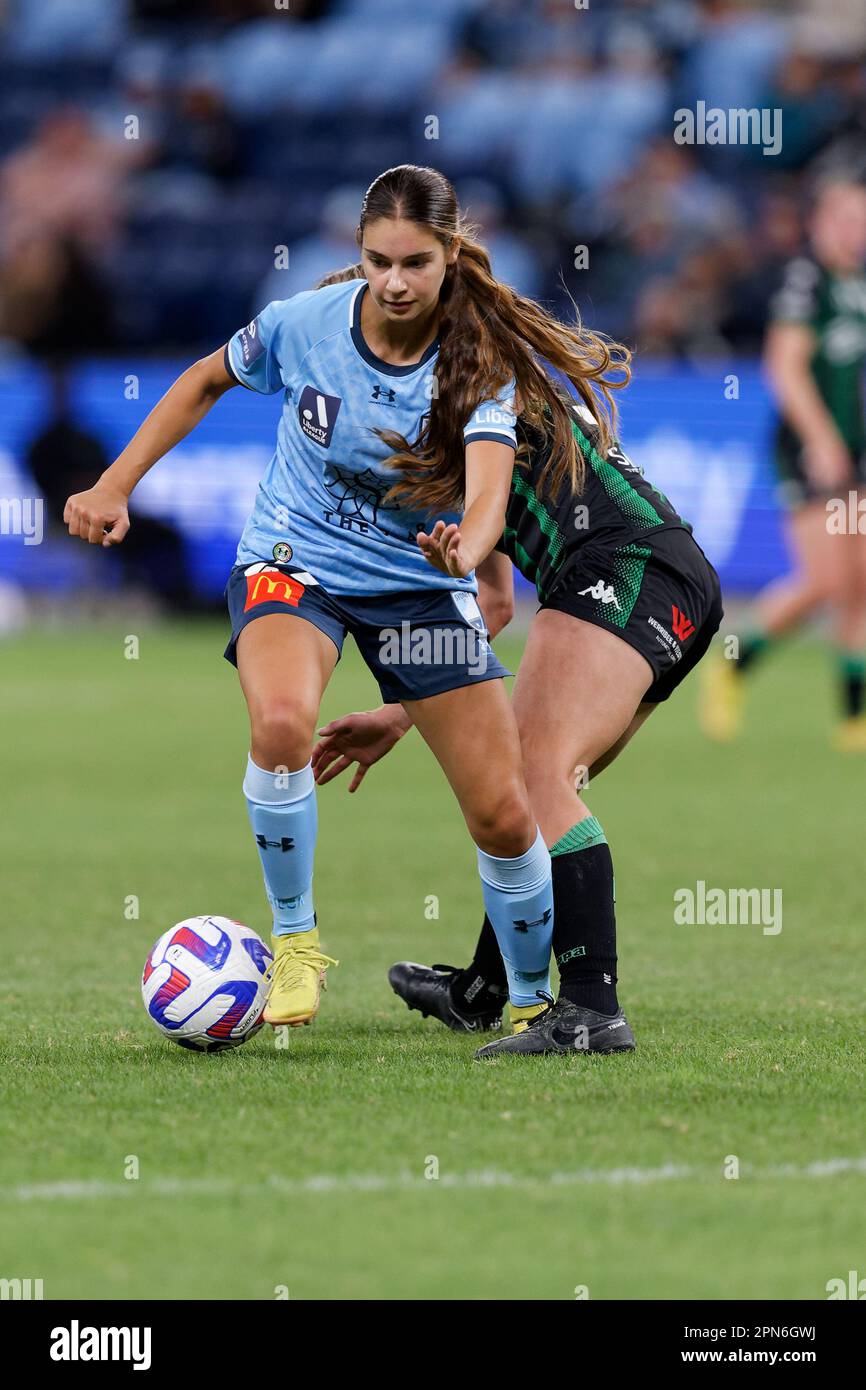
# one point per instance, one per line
(416, 644)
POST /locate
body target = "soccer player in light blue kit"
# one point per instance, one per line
(400, 393)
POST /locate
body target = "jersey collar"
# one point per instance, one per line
(370, 356)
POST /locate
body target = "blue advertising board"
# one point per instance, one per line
(700, 434)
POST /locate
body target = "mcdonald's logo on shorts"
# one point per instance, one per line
(270, 585)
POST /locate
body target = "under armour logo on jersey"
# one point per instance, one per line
(522, 925)
(682, 626)
(383, 393)
(285, 843)
(317, 415)
(603, 592)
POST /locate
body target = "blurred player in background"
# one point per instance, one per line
(815, 357)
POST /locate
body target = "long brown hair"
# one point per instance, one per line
(488, 334)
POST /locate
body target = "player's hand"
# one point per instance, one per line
(828, 463)
(98, 515)
(357, 738)
(445, 550)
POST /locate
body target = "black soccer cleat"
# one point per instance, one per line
(566, 1028)
(427, 988)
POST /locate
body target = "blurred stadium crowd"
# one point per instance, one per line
(154, 153)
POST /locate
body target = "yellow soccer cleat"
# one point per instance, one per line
(522, 1015)
(850, 735)
(721, 708)
(296, 978)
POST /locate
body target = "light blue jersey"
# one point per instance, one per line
(319, 504)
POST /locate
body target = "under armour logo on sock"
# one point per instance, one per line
(522, 925)
(284, 844)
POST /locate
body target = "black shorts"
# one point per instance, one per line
(795, 489)
(416, 644)
(657, 592)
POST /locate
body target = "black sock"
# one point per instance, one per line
(584, 918)
(852, 670)
(752, 645)
(483, 985)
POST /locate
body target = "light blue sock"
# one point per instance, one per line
(282, 809)
(518, 896)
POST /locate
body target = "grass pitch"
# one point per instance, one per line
(302, 1170)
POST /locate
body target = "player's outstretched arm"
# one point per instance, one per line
(457, 550)
(100, 515)
(358, 738)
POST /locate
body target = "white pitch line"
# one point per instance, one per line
(97, 1189)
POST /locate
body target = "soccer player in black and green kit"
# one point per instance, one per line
(815, 358)
(628, 606)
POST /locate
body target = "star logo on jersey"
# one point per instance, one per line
(358, 495)
(317, 415)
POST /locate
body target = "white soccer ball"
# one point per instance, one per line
(203, 984)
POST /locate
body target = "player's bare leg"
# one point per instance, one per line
(580, 722)
(284, 664)
(819, 579)
(473, 734)
(850, 633)
(568, 725)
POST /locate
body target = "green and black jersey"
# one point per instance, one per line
(834, 308)
(546, 535)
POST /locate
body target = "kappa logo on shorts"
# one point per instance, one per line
(682, 626)
(266, 584)
(603, 592)
(317, 415)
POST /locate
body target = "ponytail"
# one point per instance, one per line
(490, 334)
(339, 277)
